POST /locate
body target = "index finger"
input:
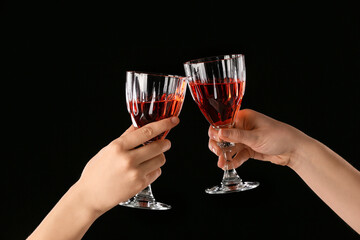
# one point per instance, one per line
(129, 130)
(147, 132)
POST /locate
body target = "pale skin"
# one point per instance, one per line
(120, 170)
(115, 174)
(260, 137)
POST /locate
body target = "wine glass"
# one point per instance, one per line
(151, 97)
(217, 85)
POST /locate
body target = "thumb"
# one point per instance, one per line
(235, 135)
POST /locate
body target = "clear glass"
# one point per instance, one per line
(151, 97)
(217, 85)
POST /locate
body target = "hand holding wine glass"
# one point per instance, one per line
(260, 137)
(120, 170)
(217, 85)
(151, 97)
(116, 173)
(263, 138)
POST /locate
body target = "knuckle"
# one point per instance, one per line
(246, 110)
(135, 176)
(147, 131)
(213, 133)
(117, 146)
(161, 146)
(153, 176)
(212, 147)
(166, 124)
(126, 163)
(210, 144)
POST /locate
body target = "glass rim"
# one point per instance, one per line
(214, 58)
(158, 74)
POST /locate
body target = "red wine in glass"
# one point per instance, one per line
(146, 112)
(218, 101)
(217, 85)
(152, 97)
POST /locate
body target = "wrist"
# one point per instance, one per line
(69, 219)
(302, 152)
(79, 200)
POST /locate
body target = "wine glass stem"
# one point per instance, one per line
(146, 194)
(230, 176)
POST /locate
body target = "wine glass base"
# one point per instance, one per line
(223, 189)
(150, 205)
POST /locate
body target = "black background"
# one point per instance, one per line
(63, 99)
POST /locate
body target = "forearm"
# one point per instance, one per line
(69, 219)
(332, 178)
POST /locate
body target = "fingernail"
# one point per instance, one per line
(175, 120)
(214, 150)
(167, 145)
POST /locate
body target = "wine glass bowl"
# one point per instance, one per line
(217, 85)
(152, 97)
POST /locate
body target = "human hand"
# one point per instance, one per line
(120, 170)
(260, 137)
